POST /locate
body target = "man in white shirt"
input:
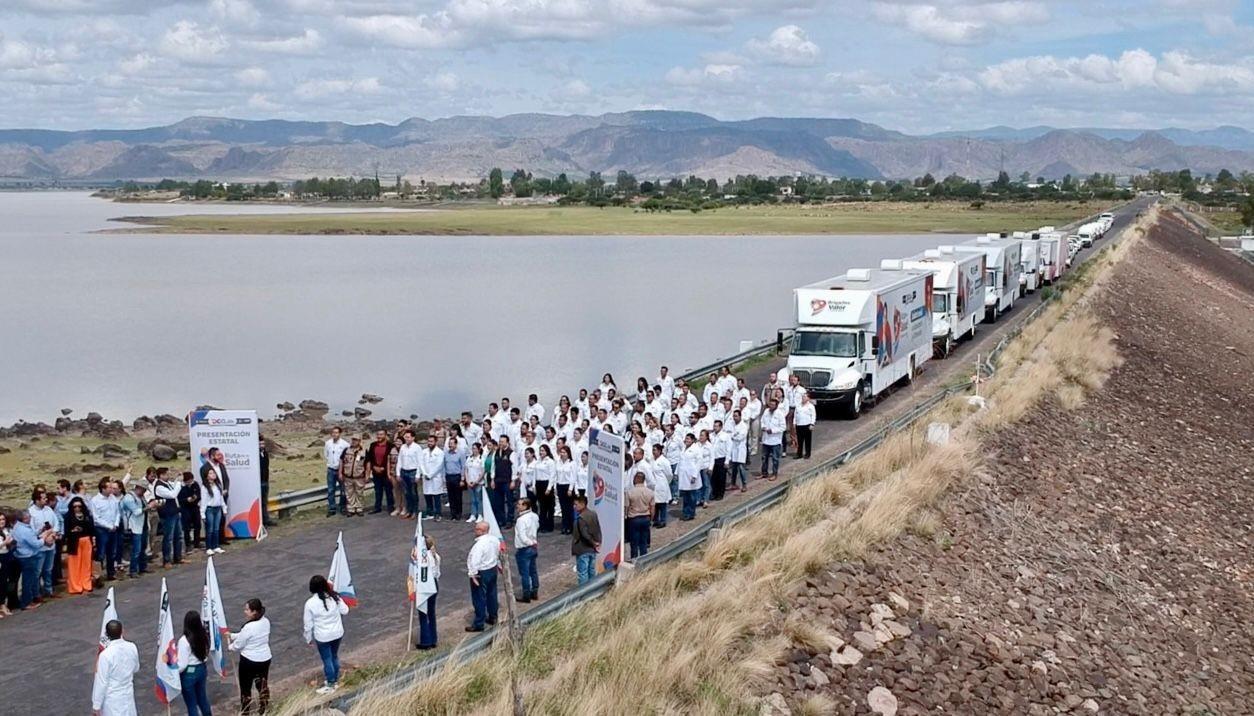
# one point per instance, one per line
(106, 512)
(408, 460)
(482, 564)
(473, 433)
(526, 529)
(752, 410)
(666, 383)
(804, 418)
(774, 426)
(113, 686)
(690, 477)
(332, 452)
(793, 394)
(498, 421)
(722, 451)
(534, 409)
(431, 469)
(514, 428)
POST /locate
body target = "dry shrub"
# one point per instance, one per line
(817, 705)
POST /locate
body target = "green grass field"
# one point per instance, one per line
(853, 218)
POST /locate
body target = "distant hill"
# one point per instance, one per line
(650, 144)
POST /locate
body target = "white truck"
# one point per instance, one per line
(1030, 261)
(1090, 232)
(1001, 271)
(860, 333)
(1054, 250)
(957, 293)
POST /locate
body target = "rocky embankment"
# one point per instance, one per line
(1100, 562)
(163, 438)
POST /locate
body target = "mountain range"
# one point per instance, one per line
(655, 143)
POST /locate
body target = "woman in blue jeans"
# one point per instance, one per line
(324, 627)
(193, 656)
(212, 500)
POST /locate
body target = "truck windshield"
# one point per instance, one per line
(815, 343)
(940, 302)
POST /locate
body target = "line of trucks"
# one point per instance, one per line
(869, 329)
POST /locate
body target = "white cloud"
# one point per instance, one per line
(419, 32)
(956, 23)
(262, 103)
(314, 89)
(302, 44)
(237, 11)
(188, 41)
(1175, 72)
(787, 45)
(253, 77)
(710, 74)
(443, 81)
(136, 64)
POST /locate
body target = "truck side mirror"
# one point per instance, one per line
(875, 344)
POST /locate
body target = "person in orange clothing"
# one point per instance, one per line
(80, 533)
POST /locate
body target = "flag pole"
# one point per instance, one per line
(409, 635)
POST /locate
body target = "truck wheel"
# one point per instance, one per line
(855, 403)
(949, 346)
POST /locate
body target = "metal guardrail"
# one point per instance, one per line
(697, 536)
(286, 502)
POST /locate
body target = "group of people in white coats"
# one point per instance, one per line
(113, 685)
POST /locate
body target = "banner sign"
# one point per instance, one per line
(605, 494)
(234, 433)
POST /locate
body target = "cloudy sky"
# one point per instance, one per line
(918, 66)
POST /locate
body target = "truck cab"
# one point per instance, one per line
(859, 333)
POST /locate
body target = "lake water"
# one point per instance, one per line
(143, 324)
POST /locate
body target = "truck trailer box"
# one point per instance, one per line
(957, 292)
(1053, 246)
(1030, 261)
(1001, 272)
(860, 333)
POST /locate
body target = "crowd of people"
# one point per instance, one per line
(684, 447)
(69, 542)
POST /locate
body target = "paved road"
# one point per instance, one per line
(57, 641)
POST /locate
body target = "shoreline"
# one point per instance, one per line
(837, 219)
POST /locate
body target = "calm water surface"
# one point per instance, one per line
(143, 324)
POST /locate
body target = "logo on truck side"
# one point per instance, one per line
(816, 306)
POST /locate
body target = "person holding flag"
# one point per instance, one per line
(213, 615)
(424, 583)
(193, 652)
(113, 687)
(324, 626)
(110, 615)
(339, 576)
(168, 683)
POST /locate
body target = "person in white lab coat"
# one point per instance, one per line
(739, 451)
(690, 462)
(431, 469)
(113, 688)
(660, 472)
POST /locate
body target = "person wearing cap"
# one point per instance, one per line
(134, 526)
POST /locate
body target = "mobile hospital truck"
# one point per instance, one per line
(1030, 262)
(860, 333)
(1053, 245)
(1001, 272)
(957, 292)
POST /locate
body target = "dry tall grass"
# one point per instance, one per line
(702, 635)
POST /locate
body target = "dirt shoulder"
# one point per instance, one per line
(1100, 561)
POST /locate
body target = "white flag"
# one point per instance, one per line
(214, 616)
(421, 570)
(489, 516)
(168, 685)
(110, 613)
(261, 532)
(339, 576)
